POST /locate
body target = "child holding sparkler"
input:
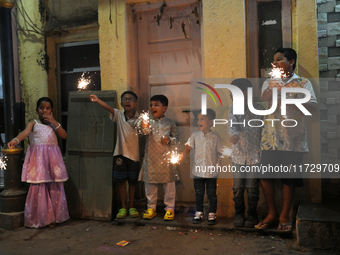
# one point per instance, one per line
(162, 132)
(44, 169)
(208, 146)
(246, 151)
(126, 154)
(281, 145)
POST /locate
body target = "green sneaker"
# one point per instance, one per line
(133, 213)
(121, 214)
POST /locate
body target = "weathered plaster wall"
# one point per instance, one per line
(33, 76)
(223, 39)
(37, 74)
(224, 56)
(113, 45)
(65, 13)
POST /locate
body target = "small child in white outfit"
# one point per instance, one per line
(208, 146)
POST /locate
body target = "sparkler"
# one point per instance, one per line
(172, 157)
(226, 151)
(145, 116)
(151, 126)
(277, 74)
(83, 82)
(3, 163)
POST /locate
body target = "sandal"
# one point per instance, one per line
(169, 215)
(285, 227)
(149, 214)
(133, 213)
(121, 214)
(266, 224)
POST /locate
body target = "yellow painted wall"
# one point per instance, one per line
(223, 39)
(224, 56)
(305, 42)
(33, 77)
(113, 45)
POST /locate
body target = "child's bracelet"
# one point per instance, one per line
(58, 126)
(16, 139)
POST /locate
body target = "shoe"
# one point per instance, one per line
(212, 219)
(169, 215)
(239, 221)
(285, 227)
(251, 221)
(149, 214)
(266, 224)
(133, 213)
(198, 218)
(121, 214)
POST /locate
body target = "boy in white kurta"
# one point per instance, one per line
(162, 132)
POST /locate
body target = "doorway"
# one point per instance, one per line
(169, 55)
(269, 26)
(75, 60)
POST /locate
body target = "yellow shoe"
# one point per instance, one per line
(149, 214)
(169, 215)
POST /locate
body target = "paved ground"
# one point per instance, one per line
(146, 237)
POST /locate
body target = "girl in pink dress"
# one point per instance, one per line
(44, 169)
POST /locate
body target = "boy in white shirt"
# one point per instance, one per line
(126, 154)
(208, 146)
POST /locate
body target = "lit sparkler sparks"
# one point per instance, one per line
(3, 162)
(226, 152)
(145, 124)
(145, 116)
(277, 73)
(83, 82)
(172, 157)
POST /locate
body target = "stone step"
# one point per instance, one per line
(318, 225)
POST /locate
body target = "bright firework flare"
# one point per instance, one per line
(83, 82)
(145, 116)
(3, 162)
(277, 74)
(226, 152)
(172, 157)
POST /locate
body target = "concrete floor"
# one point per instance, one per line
(154, 236)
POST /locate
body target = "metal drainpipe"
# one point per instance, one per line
(12, 198)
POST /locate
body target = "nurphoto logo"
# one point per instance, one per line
(239, 103)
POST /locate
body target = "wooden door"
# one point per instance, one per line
(169, 56)
(89, 151)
